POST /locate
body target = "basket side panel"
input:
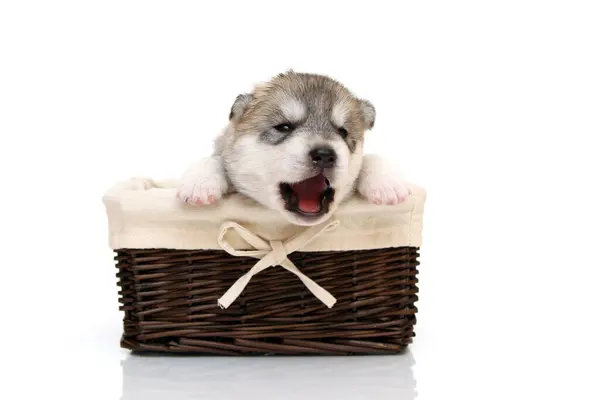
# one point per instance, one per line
(169, 299)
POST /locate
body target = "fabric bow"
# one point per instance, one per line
(270, 254)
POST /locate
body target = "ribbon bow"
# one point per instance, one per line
(270, 254)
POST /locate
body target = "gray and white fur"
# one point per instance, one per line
(272, 139)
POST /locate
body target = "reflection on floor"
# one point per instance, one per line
(150, 377)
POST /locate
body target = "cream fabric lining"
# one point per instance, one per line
(145, 213)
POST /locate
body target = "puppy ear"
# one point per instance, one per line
(368, 112)
(239, 106)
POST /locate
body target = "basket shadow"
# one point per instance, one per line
(271, 377)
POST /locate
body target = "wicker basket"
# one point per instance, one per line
(354, 291)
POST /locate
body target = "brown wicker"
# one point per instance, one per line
(170, 302)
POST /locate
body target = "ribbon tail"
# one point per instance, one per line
(238, 287)
(234, 291)
(318, 291)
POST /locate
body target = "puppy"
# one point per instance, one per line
(295, 145)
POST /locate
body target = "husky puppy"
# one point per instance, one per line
(295, 145)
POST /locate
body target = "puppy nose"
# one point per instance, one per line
(324, 157)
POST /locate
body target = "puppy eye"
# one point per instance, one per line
(285, 128)
(343, 132)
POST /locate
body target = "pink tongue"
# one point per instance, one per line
(309, 193)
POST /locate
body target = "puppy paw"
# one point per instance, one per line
(199, 193)
(380, 183)
(204, 183)
(388, 193)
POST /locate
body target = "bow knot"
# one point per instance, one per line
(279, 254)
(272, 253)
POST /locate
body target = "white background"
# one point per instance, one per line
(493, 107)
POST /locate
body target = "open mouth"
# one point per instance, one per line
(310, 197)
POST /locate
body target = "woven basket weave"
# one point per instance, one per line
(169, 299)
(170, 303)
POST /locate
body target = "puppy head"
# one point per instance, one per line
(296, 145)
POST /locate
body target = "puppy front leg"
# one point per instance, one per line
(204, 182)
(380, 183)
